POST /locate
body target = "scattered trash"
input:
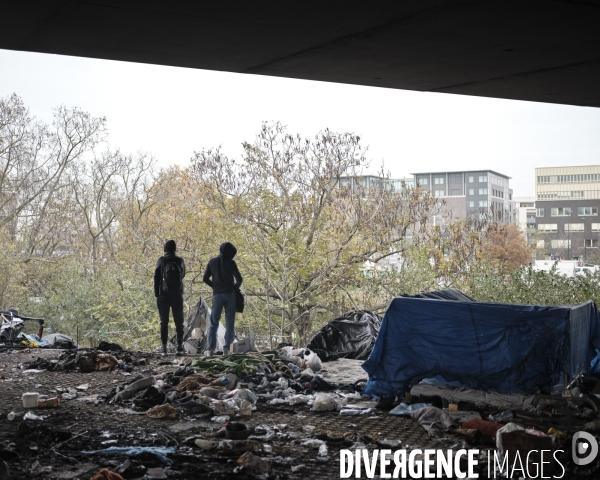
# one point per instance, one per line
(236, 431)
(405, 410)
(312, 443)
(106, 474)
(505, 416)
(30, 399)
(159, 452)
(323, 450)
(49, 403)
(31, 416)
(163, 411)
(252, 462)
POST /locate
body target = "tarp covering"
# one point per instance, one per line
(448, 294)
(350, 336)
(195, 330)
(488, 346)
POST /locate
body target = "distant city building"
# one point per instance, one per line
(478, 194)
(526, 218)
(375, 182)
(567, 201)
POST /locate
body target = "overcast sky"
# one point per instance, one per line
(173, 111)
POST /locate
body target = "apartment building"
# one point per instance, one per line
(472, 193)
(567, 205)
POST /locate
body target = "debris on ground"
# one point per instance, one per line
(281, 413)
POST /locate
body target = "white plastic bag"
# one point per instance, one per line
(298, 399)
(324, 403)
(313, 361)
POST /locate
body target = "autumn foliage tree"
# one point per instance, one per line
(505, 246)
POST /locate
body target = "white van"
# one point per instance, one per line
(564, 267)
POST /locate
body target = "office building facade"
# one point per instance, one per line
(481, 194)
(567, 206)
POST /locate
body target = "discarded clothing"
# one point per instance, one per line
(193, 382)
(105, 362)
(106, 474)
(109, 347)
(163, 411)
(404, 410)
(514, 401)
(241, 364)
(151, 397)
(133, 388)
(159, 452)
(484, 426)
(434, 420)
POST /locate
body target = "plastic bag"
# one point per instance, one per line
(327, 403)
(245, 407)
(298, 399)
(313, 443)
(505, 416)
(323, 450)
(220, 419)
(224, 407)
(313, 361)
(281, 383)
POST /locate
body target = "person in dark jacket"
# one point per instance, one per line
(223, 276)
(168, 290)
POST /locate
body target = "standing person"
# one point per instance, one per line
(226, 279)
(168, 290)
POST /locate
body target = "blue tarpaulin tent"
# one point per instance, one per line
(489, 346)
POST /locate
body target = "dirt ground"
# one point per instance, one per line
(52, 448)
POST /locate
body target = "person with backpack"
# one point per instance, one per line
(223, 276)
(168, 290)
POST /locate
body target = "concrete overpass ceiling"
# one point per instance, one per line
(536, 50)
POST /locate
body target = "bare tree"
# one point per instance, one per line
(308, 220)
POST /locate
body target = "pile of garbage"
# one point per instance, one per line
(91, 360)
(228, 388)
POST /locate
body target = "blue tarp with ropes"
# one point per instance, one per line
(488, 346)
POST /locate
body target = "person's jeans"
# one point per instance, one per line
(220, 301)
(165, 304)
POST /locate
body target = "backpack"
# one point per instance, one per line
(171, 277)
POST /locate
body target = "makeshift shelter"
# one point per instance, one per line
(195, 330)
(488, 346)
(350, 336)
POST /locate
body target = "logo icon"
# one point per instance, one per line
(584, 448)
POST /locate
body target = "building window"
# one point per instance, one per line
(547, 227)
(483, 178)
(471, 178)
(455, 191)
(483, 191)
(595, 227)
(582, 211)
(471, 204)
(591, 243)
(561, 243)
(540, 244)
(438, 193)
(573, 227)
(471, 191)
(423, 180)
(539, 212)
(438, 180)
(483, 203)
(560, 212)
